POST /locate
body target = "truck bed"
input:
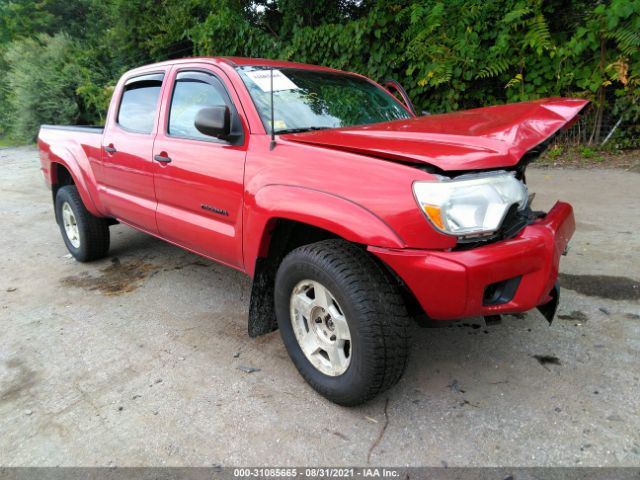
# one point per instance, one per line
(78, 148)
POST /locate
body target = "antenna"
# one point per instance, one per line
(273, 127)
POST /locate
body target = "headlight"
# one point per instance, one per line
(472, 204)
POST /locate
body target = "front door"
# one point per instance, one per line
(199, 178)
(127, 183)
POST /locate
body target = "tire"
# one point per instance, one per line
(361, 294)
(87, 237)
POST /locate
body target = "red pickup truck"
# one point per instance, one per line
(349, 212)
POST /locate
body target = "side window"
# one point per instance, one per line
(139, 101)
(192, 92)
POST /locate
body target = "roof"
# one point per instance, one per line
(240, 61)
(265, 62)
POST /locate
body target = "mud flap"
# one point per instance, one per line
(262, 318)
(548, 310)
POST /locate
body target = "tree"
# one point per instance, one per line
(40, 86)
(449, 54)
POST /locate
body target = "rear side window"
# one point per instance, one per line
(139, 101)
(192, 92)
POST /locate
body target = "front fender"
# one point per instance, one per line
(330, 212)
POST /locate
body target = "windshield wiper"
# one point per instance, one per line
(299, 130)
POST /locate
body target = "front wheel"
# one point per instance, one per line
(85, 235)
(342, 321)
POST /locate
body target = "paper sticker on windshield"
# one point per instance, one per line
(262, 78)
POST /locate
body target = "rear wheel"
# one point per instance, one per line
(342, 321)
(85, 235)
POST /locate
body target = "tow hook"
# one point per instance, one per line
(548, 310)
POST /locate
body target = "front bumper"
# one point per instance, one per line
(458, 284)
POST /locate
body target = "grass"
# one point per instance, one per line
(581, 156)
(10, 142)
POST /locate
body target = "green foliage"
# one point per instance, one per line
(6, 113)
(226, 31)
(40, 83)
(449, 54)
(589, 153)
(555, 151)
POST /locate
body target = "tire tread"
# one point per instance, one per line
(94, 230)
(376, 298)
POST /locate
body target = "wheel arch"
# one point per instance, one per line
(325, 211)
(60, 177)
(65, 169)
(283, 218)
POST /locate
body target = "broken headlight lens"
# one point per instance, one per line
(470, 205)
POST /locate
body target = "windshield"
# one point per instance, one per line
(312, 99)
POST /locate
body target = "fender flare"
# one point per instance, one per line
(80, 172)
(317, 208)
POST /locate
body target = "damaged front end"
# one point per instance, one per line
(517, 217)
(506, 277)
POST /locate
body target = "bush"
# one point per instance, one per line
(5, 106)
(40, 85)
(460, 53)
(449, 55)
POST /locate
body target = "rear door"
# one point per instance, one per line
(198, 178)
(127, 185)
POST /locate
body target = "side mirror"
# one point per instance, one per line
(214, 121)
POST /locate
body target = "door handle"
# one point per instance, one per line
(110, 149)
(162, 159)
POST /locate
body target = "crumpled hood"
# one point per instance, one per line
(481, 138)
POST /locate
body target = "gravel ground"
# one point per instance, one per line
(135, 360)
